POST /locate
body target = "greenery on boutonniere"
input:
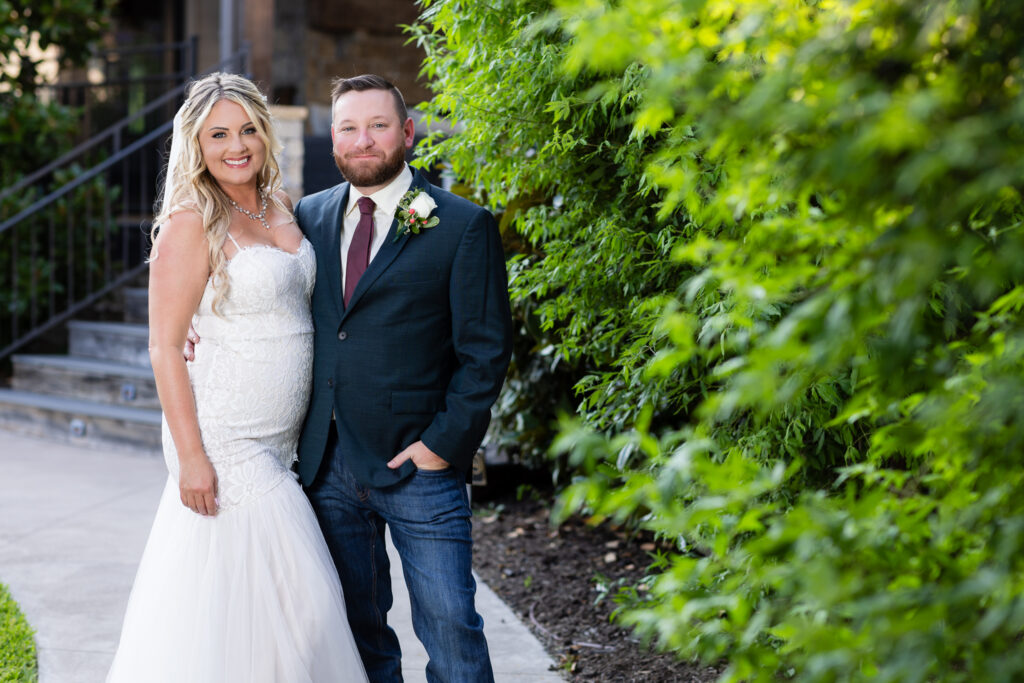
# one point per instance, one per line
(414, 213)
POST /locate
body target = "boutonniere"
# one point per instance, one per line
(414, 212)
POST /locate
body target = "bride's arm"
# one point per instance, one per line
(177, 278)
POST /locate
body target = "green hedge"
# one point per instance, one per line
(17, 649)
(779, 246)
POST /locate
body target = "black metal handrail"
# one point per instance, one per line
(80, 224)
(113, 132)
(86, 176)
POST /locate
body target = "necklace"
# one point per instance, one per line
(261, 216)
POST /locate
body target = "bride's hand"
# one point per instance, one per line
(198, 485)
(191, 339)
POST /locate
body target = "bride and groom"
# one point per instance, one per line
(357, 333)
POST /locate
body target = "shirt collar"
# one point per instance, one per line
(386, 198)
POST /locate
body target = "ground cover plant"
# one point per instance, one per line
(776, 246)
(17, 648)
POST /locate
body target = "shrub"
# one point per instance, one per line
(781, 243)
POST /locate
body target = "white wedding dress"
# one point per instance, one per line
(250, 595)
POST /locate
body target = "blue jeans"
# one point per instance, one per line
(430, 518)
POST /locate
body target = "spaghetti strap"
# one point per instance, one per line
(233, 241)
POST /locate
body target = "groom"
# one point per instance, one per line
(413, 337)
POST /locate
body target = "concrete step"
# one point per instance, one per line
(85, 378)
(120, 342)
(136, 304)
(80, 422)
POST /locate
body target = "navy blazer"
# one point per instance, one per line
(421, 350)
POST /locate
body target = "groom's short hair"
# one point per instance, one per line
(369, 82)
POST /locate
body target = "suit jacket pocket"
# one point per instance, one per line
(421, 401)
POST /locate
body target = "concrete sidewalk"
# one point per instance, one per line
(73, 523)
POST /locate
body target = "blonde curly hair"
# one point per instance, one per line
(193, 188)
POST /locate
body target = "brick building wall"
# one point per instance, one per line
(331, 56)
(352, 37)
(363, 38)
(299, 46)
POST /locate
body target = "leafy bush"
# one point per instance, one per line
(72, 25)
(593, 260)
(781, 242)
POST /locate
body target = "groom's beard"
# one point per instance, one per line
(371, 175)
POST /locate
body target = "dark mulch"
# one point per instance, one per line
(548, 577)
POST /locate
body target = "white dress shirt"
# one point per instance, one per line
(385, 202)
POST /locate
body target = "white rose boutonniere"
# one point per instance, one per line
(414, 213)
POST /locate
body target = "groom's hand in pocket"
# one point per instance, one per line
(421, 456)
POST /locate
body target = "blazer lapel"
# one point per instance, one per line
(332, 238)
(388, 251)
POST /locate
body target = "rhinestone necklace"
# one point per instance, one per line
(261, 216)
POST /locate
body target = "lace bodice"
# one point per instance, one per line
(268, 296)
(251, 373)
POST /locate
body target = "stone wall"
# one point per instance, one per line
(346, 16)
(298, 47)
(330, 56)
(290, 123)
(356, 37)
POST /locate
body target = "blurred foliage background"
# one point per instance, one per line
(36, 129)
(768, 256)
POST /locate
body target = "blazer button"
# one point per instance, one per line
(343, 335)
(330, 382)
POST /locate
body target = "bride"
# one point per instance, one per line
(236, 583)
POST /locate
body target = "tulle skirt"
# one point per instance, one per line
(250, 595)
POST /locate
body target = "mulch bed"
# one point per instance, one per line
(548, 577)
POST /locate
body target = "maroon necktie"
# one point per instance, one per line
(359, 250)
